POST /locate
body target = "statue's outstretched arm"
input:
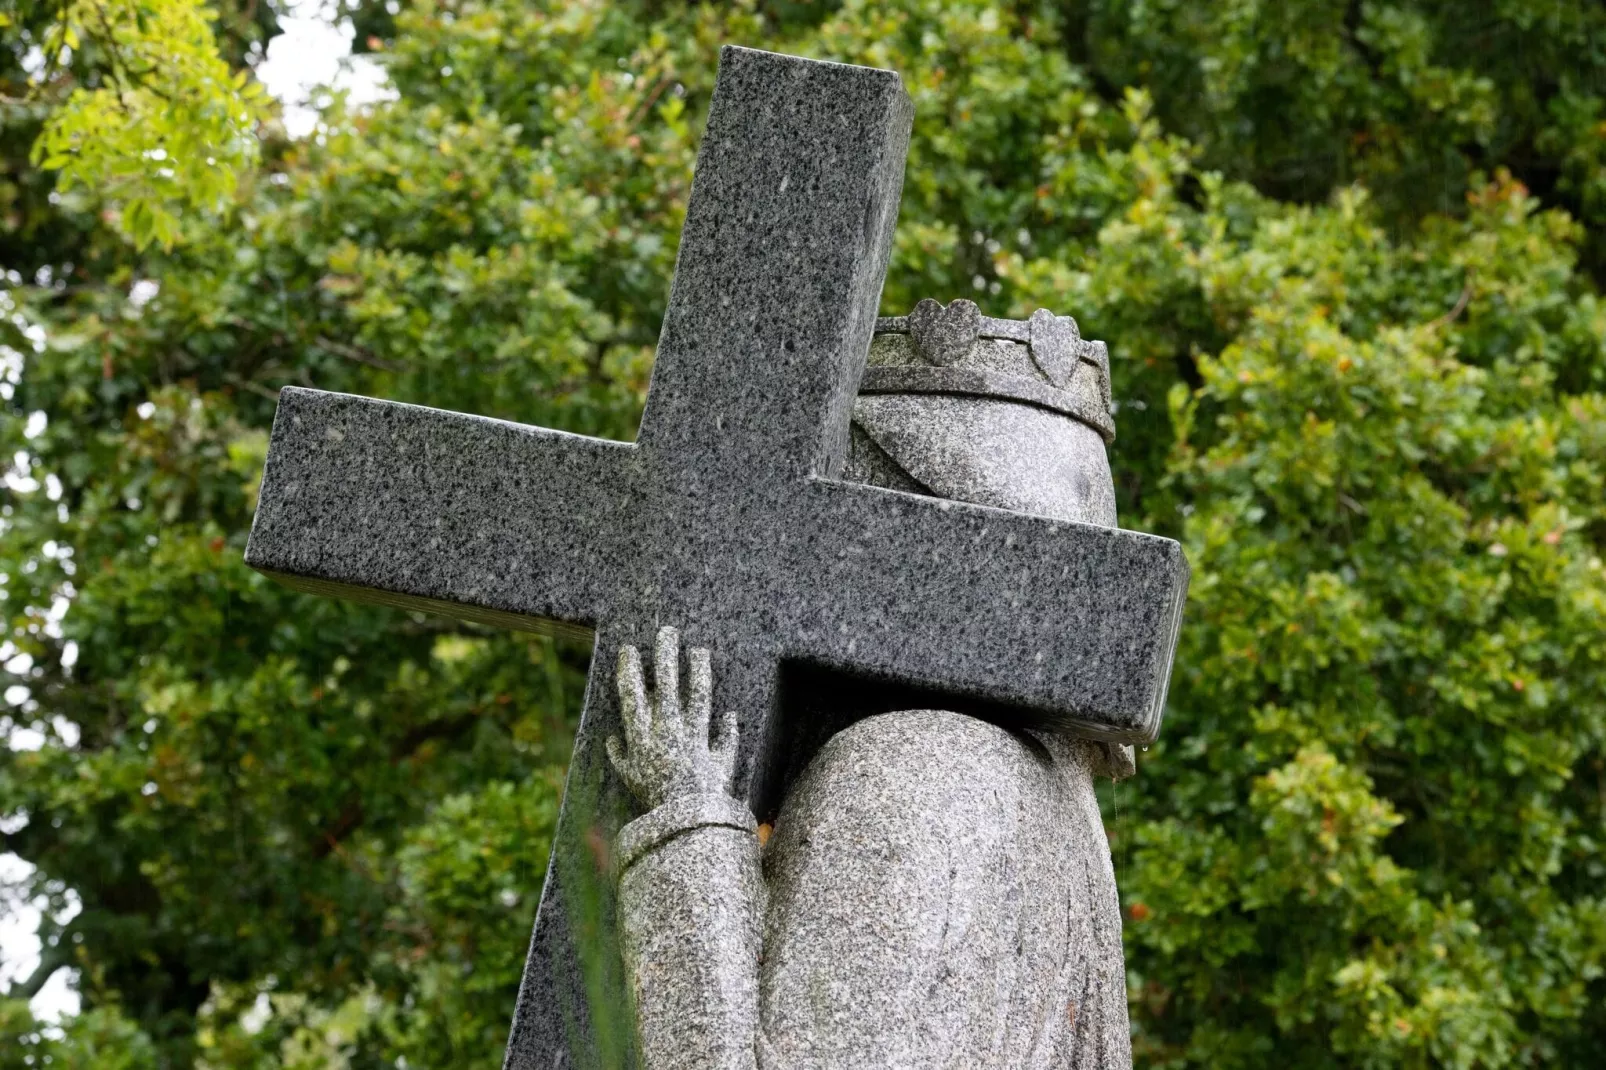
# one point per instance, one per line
(691, 895)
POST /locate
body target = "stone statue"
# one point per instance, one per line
(938, 890)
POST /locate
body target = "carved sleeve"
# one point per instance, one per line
(691, 903)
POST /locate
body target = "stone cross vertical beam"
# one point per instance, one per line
(723, 519)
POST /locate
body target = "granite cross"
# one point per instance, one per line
(723, 518)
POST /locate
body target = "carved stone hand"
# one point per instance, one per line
(667, 753)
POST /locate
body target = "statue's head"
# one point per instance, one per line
(1008, 413)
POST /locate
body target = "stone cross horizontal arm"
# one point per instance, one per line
(522, 526)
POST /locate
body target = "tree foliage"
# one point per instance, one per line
(160, 126)
(1345, 257)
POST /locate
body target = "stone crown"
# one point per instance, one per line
(954, 349)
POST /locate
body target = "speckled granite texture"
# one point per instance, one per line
(690, 928)
(1043, 361)
(1032, 455)
(725, 518)
(941, 895)
(690, 892)
(938, 892)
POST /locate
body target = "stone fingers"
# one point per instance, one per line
(701, 700)
(722, 750)
(621, 762)
(667, 747)
(666, 677)
(626, 754)
(634, 711)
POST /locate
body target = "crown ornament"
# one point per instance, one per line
(954, 349)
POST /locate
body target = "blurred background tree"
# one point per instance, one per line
(1347, 257)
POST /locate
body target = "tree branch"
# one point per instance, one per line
(351, 817)
(252, 386)
(421, 734)
(349, 820)
(356, 353)
(1460, 306)
(639, 112)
